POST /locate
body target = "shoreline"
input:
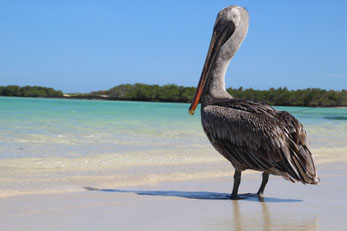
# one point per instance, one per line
(82, 185)
(146, 101)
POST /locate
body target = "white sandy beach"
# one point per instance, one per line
(198, 205)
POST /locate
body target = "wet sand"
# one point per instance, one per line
(197, 205)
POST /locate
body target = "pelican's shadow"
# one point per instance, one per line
(199, 195)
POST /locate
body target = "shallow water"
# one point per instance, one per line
(50, 145)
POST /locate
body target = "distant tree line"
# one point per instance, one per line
(311, 97)
(29, 91)
(144, 92)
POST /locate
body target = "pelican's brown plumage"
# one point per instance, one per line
(251, 135)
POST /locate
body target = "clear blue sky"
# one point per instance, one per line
(81, 46)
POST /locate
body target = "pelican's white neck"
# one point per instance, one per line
(216, 83)
(216, 86)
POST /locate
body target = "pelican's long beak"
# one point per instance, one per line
(204, 74)
(221, 33)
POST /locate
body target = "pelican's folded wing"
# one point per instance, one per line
(260, 137)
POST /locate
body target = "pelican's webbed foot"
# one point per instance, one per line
(237, 197)
(260, 195)
(247, 196)
(240, 196)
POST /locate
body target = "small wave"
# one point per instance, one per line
(159, 157)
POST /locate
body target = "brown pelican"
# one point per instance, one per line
(251, 135)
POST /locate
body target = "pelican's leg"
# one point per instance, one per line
(263, 184)
(237, 181)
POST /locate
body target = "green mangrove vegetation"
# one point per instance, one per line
(311, 97)
(29, 91)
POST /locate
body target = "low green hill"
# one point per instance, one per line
(29, 91)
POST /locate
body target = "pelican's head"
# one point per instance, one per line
(228, 33)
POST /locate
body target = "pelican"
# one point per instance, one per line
(251, 135)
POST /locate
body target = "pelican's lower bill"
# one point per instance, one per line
(151, 160)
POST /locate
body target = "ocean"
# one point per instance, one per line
(64, 145)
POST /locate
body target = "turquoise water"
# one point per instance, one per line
(51, 145)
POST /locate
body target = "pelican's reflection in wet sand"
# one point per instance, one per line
(237, 220)
(264, 216)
